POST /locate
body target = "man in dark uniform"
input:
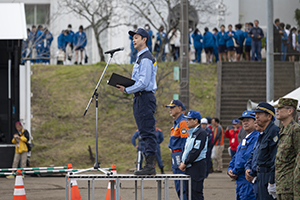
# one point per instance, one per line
(144, 104)
(277, 32)
(266, 153)
(193, 160)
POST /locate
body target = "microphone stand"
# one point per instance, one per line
(95, 94)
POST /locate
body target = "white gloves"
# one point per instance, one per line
(272, 190)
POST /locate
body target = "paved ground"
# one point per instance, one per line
(216, 186)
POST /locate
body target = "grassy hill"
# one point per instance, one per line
(60, 95)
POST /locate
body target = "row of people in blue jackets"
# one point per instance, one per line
(76, 40)
(39, 39)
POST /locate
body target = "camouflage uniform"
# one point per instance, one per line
(287, 162)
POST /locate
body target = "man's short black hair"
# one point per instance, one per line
(217, 120)
(277, 20)
(198, 120)
(70, 26)
(288, 26)
(251, 24)
(222, 25)
(256, 20)
(33, 26)
(40, 26)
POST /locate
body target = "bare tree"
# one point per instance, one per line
(167, 13)
(98, 13)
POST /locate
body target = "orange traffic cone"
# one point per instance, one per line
(108, 197)
(75, 194)
(19, 192)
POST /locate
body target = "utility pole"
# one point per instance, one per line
(184, 54)
(270, 53)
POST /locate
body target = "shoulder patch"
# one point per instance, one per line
(183, 131)
(275, 139)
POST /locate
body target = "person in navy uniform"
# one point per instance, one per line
(144, 103)
(236, 169)
(267, 149)
(179, 133)
(193, 160)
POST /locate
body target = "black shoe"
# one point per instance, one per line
(80, 63)
(149, 168)
(162, 170)
(75, 63)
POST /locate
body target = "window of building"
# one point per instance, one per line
(37, 14)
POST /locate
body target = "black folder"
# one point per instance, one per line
(117, 79)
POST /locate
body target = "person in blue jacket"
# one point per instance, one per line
(70, 37)
(80, 41)
(39, 43)
(160, 35)
(256, 33)
(193, 160)
(236, 169)
(151, 36)
(208, 44)
(229, 37)
(160, 139)
(49, 39)
(197, 37)
(284, 42)
(241, 37)
(248, 26)
(216, 52)
(221, 43)
(266, 150)
(31, 41)
(140, 146)
(133, 51)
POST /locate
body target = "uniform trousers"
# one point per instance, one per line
(144, 105)
(262, 186)
(197, 172)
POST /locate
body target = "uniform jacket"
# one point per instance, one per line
(179, 133)
(141, 142)
(208, 39)
(229, 39)
(195, 146)
(21, 145)
(80, 40)
(240, 36)
(251, 162)
(40, 36)
(197, 41)
(287, 163)
(233, 138)
(209, 135)
(237, 163)
(267, 149)
(70, 37)
(61, 42)
(256, 31)
(49, 39)
(144, 73)
(248, 39)
(221, 38)
(218, 135)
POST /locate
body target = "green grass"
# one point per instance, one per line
(61, 93)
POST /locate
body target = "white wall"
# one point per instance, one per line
(257, 9)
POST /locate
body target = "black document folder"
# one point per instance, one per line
(117, 79)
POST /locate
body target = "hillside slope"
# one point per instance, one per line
(61, 93)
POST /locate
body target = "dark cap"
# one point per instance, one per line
(266, 108)
(192, 114)
(141, 32)
(175, 103)
(287, 102)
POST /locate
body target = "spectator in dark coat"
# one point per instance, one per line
(256, 33)
(277, 38)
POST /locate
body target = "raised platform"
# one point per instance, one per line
(116, 179)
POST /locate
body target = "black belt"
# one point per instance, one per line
(263, 169)
(141, 93)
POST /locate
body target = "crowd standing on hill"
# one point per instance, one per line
(36, 47)
(237, 43)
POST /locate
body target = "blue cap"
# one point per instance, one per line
(247, 113)
(235, 121)
(139, 31)
(176, 103)
(266, 108)
(192, 114)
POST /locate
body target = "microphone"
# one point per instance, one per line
(114, 50)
